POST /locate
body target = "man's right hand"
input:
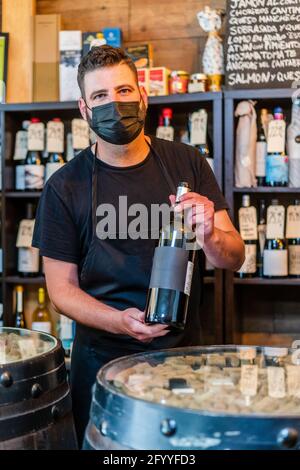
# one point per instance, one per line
(131, 322)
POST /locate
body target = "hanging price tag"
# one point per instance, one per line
(276, 382)
(25, 233)
(36, 134)
(55, 137)
(80, 134)
(249, 375)
(276, 136)
(293, 222)
(21, 145)
(275, 222)
(248, 223)
(198, 133)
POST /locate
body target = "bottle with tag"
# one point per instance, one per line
(21, 147)
(19, 307)
(293, 146)
(34, 168)
(248, 231)
(293, 237)
(261, 150)
(80, 136)
(199, 136)
(277, 169)
(261, 229)
(28, 257)
(172, 272)
(41, 318)
(165, 130)
(65, 333)
(275, 263)
(55, 147)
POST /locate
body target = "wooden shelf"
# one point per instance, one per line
(267, 189)
(24, 280)
(264, 94)
(267, 282)
(22, 194)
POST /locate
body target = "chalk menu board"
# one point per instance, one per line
(263, 44)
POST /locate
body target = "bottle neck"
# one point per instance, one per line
(19, 302)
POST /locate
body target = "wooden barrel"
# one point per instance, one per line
(35, 401)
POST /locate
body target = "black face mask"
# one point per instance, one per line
(118, 122)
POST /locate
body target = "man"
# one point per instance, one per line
(102, 283)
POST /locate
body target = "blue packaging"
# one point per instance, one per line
(113, 36)
(277, 169)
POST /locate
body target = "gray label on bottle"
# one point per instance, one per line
(20, 177)
(169, 268)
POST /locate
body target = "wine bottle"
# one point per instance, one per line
(248, 231)
(293, 146)
(275, 264)
(277, 170)
(65, 333)
(261, 229)
(41, 318)
(55, 147)
(21, 148)
(28, 257)
(34, 168)
(19, 308)
(1, 315)
(172, 272)
(293, 237)
(165, 130)
(261, 150)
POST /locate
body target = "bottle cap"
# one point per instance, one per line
(19, 289)
(182, 189)
(275, 202)
(57, 119)
(34, 120)
(167, 113)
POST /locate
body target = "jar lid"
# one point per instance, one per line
(175, 73)
(199, 76)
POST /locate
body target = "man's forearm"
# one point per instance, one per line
(224, 250)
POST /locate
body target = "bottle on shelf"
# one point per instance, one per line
(28, 257)
(277, 169)
(21, 148)
(293, 146)
(165, 130)
(55, 147)
(261, 230)
(1, 315)
(19, 308)
(248, 230)
(169, 288)
(34, 168)
(199, 137)
(41, 317)
(261, 150)
(275, 264)
(293, 237)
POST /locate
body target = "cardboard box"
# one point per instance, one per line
(142, 55)
(143, 78)
(113, 36)
(70, 46)
(159, 81)
(46, 58)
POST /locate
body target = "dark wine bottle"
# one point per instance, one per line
(261, 229)
(28, 257)
(261, 150)
(172, 272)
(275, 253)
(294, 251)
(248, 230)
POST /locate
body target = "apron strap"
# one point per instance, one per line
(94, 191)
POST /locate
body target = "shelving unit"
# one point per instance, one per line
(13, 203)
(258, 311)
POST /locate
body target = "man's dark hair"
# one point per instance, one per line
(102, 56)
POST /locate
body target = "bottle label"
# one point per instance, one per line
(28, 260)
(80, 134)
(51, 168)
(249, 266)
(275, 222)
(34, 176)
(294, 260)
(261, 228)
(188, 278)
(275, 262)
(43, 326)
(277, 169)
(198, 124)
(293, 222)
(261, 153)
(276, 136)
(36, 136)
(55, 137)
(166, 133)
(20, 177)
(66, 328)
(276, 382)
(248, 223)
(25, 233)
(21, 145)
(169, 268)
(249, 380)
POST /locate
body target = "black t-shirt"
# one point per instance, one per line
(63, 228)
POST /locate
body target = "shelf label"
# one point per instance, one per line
(248, 223)
(249, 380)
(36, 136)
(55, 137)
(275, 222)
(80, 134)
(276, 382)
(25, 233)
(276, 136)
(293, 222)
(21, 145)
(198, 131)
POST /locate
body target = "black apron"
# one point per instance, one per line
(114, 272)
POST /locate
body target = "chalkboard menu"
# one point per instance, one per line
(263, 44)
